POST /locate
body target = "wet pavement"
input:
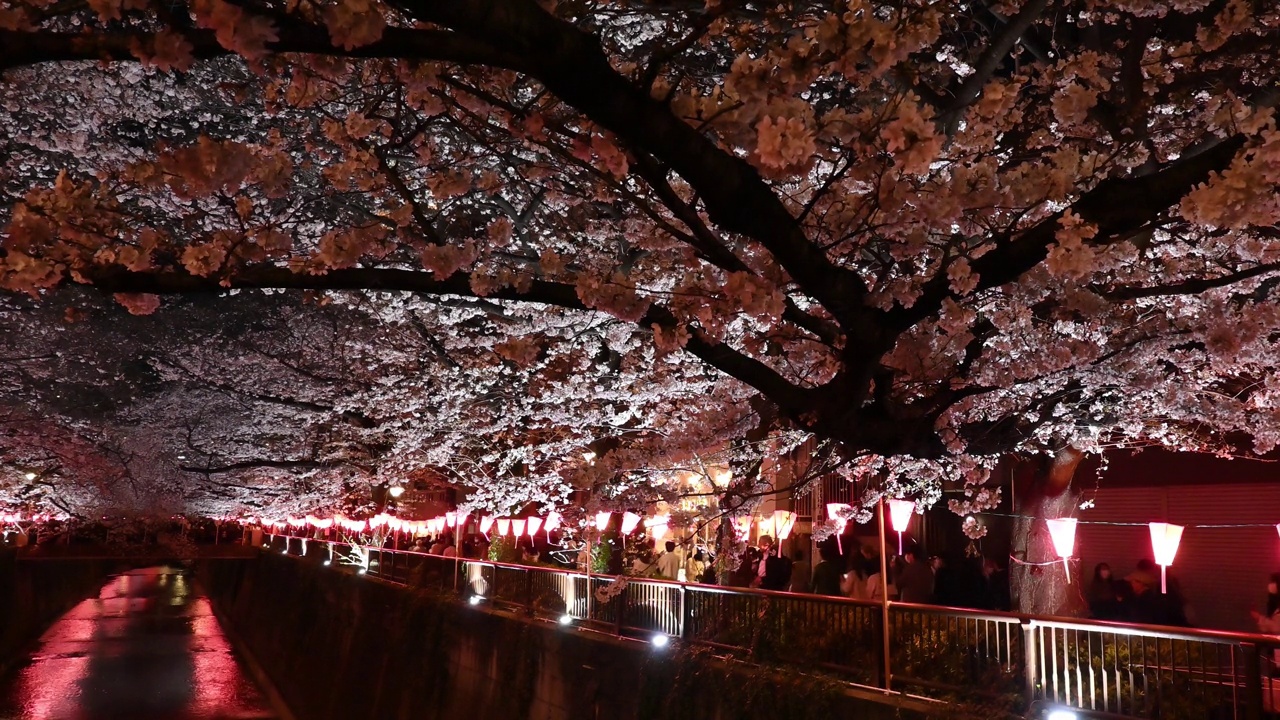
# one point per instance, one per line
(147, 648)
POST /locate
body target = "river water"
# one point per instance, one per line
(146, 648)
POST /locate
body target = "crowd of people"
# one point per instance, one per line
(978, 583)
(1137, 598)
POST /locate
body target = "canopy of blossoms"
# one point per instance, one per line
(365, 240)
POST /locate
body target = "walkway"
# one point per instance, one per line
(147, 648)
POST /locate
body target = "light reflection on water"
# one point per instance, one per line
(145, 648)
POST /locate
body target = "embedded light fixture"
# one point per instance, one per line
(475, 599)
(1061, 714)
(31, 476)
(589, 456)
(327, 563)
(396, 491)
(364, 570)
(660, 641)
(566, 619)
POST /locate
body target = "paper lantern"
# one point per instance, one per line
(630, 521)
(602, 520)
(659, 526)
(1062, 531)
(742, 526)
(1164, 542)
(900, 517)
(534, 525)
(486, 523)
(504, 526)
(783, 522)
(451, 519)
(553, 522)
(324, 524)
(836, 513)
(517, 527)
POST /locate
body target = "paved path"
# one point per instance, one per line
(147, 648)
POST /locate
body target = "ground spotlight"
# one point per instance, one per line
(1061, 714)
(475, 599)
(327, 563)
(660, 641)
(566, 619)
(364, 570)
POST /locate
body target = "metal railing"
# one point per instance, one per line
(1003, 661)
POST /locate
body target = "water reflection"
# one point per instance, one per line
(146, 648)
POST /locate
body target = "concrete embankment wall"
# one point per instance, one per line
(34, 593)
(337, 645)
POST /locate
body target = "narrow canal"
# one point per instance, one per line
(146, 648)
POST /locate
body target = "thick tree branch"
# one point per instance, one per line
(18, 48)
(995, 54)
(724, 358)
(572, 65)
(1186, 287)
(1116, 206)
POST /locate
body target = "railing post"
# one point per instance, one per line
(622, 608)
(1252, 681)
(684, 610)
(885, 649)
(528, 591)
(1030, 652)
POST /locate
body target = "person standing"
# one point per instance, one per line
(773, 572)
(801, 574)
(827, 573)
(669, 562)
(915, 582)
(1104, 596)
(696, 567)
(1269, 623)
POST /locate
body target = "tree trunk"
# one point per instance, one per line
(1040, 586)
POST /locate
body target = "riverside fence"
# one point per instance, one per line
(1002, 661)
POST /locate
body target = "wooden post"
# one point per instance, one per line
(1252, 682)
(884, 601)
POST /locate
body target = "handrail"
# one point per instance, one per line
(1099, 668)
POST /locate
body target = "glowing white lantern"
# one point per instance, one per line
(900, 517)
(1165, 538)
(1062, 531)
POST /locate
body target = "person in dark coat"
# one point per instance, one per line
(826, 575)
(1105, 598)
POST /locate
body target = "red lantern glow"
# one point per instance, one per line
(1165, 538)
(900, 517)
(486, 523)
(517, 527)
(504, 526)
(534, 525)
(451, 519)
(1063, 533)
(553, 522)
(836, 513)
(659, 526)
(602, 520)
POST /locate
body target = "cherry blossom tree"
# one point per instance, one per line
(929, 233)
